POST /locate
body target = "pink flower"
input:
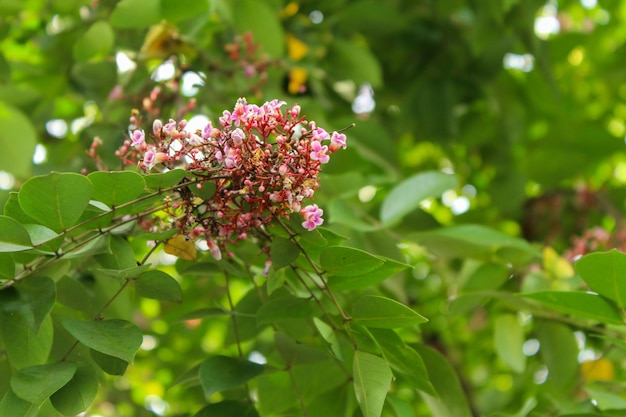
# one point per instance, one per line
(319, 152)
(312, 217)
(207, 131)
(215, 251)
(138, 138)
(151, 158)
(337, 140)
(238, 136)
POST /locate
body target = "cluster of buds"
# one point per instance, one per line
(263, 161)
(596, 239)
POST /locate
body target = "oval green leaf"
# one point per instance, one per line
(14, 406)
(77, 394)
(37, 383)
(372, 379)
(344, 261)
(407, 196)
(604, 273)
(220, 373)
(136, 13)
(159, 286)
(285, 308)
(164, 180)
(382, 312)
(13, 236)
(283, 252)
(18, 139)
(579, 304)
(262, 20)
(118, 338)
(115, 188)
(56, 200)
(369, 279)
(96, 42)
(508, 340)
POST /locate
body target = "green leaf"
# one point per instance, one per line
(344, 261)
(372, 380)
(7, 266)
(56, 200)
(285, 308)
(37, 383)
(164, 180)
(283, 252)
(260, 19)
(109, 364)
(407, 196)
(382, 312)
(219, 373)
(30, 302)
(45, 238)
(177, 10)
(579, 304)
(476, 241)
(23, 345)
(136, 13)
(369, 279)
(127, 273)
(116, 188)
(96, 42)
(508, 339)
(603, 272)
(159, 286)
(559, 352)
(13, 236)
(78, 394)
(353, 61)
(228, 408)
(403, 359)
(16, 155)
(121, 255)
(14, 406)
(450, 400)
(328, 334)
(118, 338)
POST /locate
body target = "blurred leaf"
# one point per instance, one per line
(219, 373)
(285, 308)
(228, 408)
(450, 400)
(16, 157)
(344, 261)
(352, 61)
(136, 13)
(159, 286)
(508, 339)
(13, 236)
(56, 200)
(579, 304)
(118, 338)
(382, 312)
(109, 364)
(179, 10)
(606, 400)
(372, 380)
(369, 279)
(603, 273)
(14, 406)
(77, 395)
(475, 241)
(7, 266)
(559, 352)
(37, 383)
(96, 42)
(283, 252)
(407, 196)
(259, 18)
(115, 188)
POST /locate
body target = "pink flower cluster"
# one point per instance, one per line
(264, 162)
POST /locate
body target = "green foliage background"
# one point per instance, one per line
(425, 309)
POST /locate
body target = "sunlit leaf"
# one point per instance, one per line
(382, 312)
(159, 286)
(604, 272)
(96, 42)
(219, 373)
(579, 304)
(56, 200)
(260, 19)
(559, 351)
(181, 247)
(407, 196)
(372, 380)
(136, 13)
(118, 338)
(37, 383)
(16, 155)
